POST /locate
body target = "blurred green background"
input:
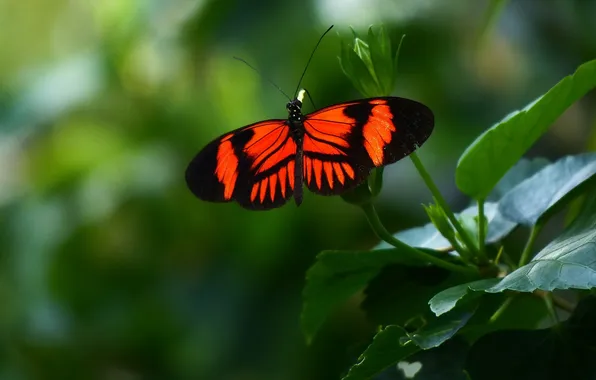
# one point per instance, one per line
(110, 269)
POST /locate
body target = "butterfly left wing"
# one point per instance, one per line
(343, 142)
(253, 165)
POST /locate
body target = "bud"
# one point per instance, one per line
(438, 217)
(370, 65)
(372, 69)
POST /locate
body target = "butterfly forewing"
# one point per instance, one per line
(344, 142)
(253, 165)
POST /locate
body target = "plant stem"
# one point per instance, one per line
(481, 231)
(559, 302)
(441, 201)
(383, 234)
(525, 256)
(501, 309)
(548, 299)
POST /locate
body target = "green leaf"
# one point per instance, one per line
(567, 262)
(369, 64)
(442, 328)
(447, 299)
(524, 311)
(499, 148)
(427, 236)
(566, 352)
(470, 226)
(363, 52)
(384, 351)
(400, 293)
(336, 276)
(439, 219)
(548, 190)
(523, 170)
(382, 59)
(357, 71)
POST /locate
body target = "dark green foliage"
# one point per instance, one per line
(565, 351)
(467, 263)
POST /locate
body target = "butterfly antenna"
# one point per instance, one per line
(310, 97)
(310, 58)
(267, 79)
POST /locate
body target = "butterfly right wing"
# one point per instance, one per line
(253, 165)
(345, 141)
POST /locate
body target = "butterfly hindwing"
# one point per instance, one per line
(253, 165)
(343, 142)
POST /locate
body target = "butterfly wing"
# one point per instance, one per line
(253, 165)
(343, 142)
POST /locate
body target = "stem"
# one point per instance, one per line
(525, 256)
(458, 248)
(559, 302)
(548, 299)
(441, 201)
(481, 231)
(501, 309)
(563, 304)
(383, 234)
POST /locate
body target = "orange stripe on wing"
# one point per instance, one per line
(272, 183)
(254, 192)
(339, 173)
(291, 174)
(283, 151)
(308, 169)
(377, 131)
(348, 169)
(317, 166)
(282, 180)
(263, 189)
(328, 166)
(312, 145)
(227, 167)
(334, 127)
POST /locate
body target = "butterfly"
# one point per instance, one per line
(332, 150)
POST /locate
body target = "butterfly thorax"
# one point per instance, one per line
(296, 124)
(295, 118)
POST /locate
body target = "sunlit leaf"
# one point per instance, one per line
(447, 299)
(569, 261)
(382, 59)
(428, 236)
(549, 189)
(485, 162)
(440, 329)
(522, 170)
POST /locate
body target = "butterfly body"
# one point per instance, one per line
(329, 151)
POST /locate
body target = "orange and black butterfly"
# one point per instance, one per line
(261, 166)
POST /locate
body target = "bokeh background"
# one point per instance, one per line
(110, 269)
